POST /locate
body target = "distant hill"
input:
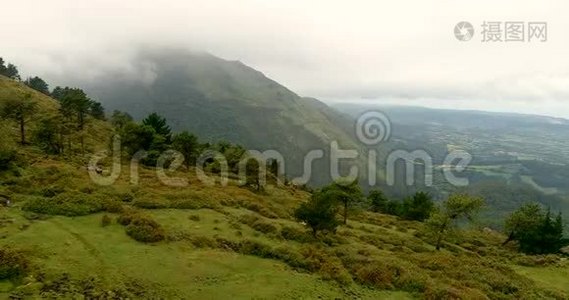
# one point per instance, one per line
(226, 100)
(516, 158)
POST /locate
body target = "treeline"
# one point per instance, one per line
(55, 134)
(154, 136)
(535, 230)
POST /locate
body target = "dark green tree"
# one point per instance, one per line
(19, 110)
(319, 213)
(37, 84)
(135, 137)
(346, 193)
(119, 119)
(58, 92)
(159, 124)
(523, 222)
(10, 71)
(418, 207)
(187, 144)
(49, 135)
(456, 207)
(536, 231)
(378, 201)
(96, 110)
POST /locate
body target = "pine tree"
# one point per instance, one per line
(37, 84)
(19, 110)
(159, 124)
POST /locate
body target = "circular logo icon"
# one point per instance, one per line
(463, 31)
(373, 127)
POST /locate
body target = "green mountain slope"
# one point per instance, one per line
(227, 100)
(63, 237)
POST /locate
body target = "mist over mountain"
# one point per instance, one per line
(226, 100)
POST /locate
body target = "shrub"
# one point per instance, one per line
(391, 273)
(125, 218)
(13, 264)
(66, 204)
(195, 218)
(144, 229)
(7, 157)
(151, 203)
(255, 248)
(258, 224)
(52, 191)
(112, 206)
(294, 234)
(262, 210)
(105, 221)
(126, 197)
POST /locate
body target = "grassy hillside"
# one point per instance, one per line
(62, 237)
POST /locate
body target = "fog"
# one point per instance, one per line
(390, 52)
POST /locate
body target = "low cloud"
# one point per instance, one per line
(386, 52)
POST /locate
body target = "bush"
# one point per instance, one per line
(387, 273)
(125, 218)
(112, 206)
(258, 224)
(52, 191)
(13, 264)
(105, 221)
(126, 197)
(144, 229)
(294, 234)
(195, 218)
(66, 204)
(7, 157)
(151, 203)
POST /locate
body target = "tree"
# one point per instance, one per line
(58, 92)
(319, 213)
(418, 207)
(49, 135)
(76, 101)
(378, 201)
(12, 72)
(97, 110)
(137, 137)
(345, 193)
(119, 119)
(9, 71)
(187, 144)
(536, 231)
(523, 222)
(159, 124)
(37, 84)
(253, 174)
(20, 110)
(456, 207)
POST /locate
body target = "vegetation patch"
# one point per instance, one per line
(144, 229)
(13, 264)
(66, 204)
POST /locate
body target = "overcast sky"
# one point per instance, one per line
(401, 52)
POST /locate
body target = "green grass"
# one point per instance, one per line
(81, 247)
(553, 277)
(229, 242)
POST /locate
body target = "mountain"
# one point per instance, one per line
(226, 100)
(63, 236)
